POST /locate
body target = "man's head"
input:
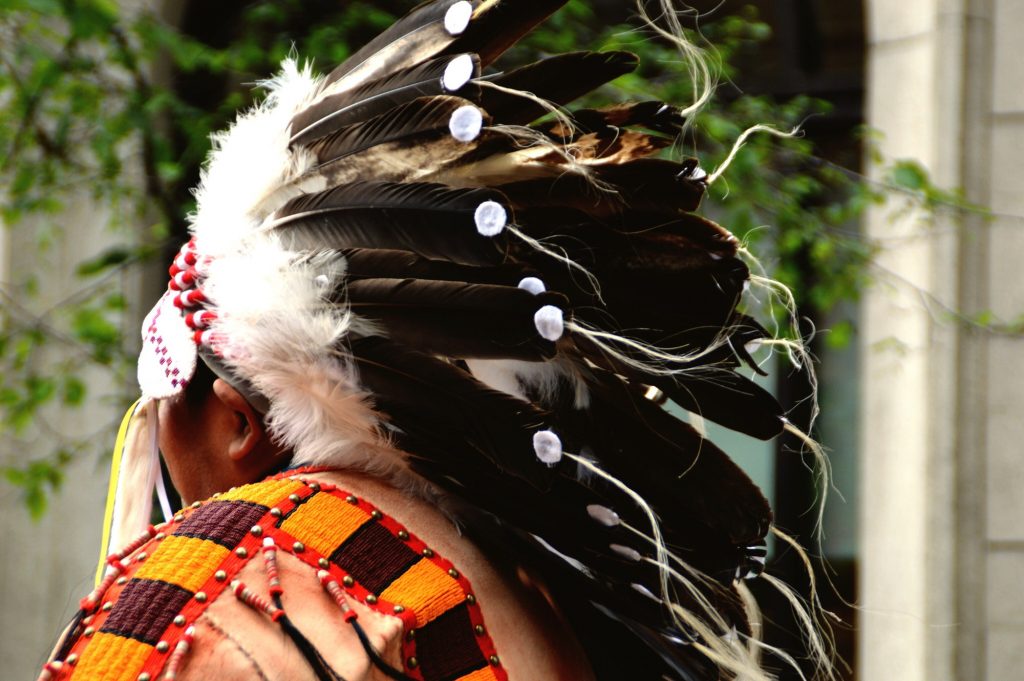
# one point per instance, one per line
(212, 438)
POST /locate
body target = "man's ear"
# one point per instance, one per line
(247, 427)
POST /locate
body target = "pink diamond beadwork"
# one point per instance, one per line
(168, 358)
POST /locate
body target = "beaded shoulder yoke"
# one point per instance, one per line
(137, 624)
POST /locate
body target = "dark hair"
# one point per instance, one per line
(201, 385)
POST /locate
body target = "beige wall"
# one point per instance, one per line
(942, 471)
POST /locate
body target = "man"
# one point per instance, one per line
(409, 371)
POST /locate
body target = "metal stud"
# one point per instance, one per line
(220, 575)
(201, 596)
(163, 647)
(256, 530)
(428, 553)
(89, 631)
(376, 515)
(403, 535)
(315, 487)
(410, 635)
(298, 547)
(348, 581)
(294, 498)
(121, 581)
(108, 606)
(493, 659)
(371, 599)
(453, 573)
(324, 563)
(160, 536)
(196, 504)
(72, 659)
(241, 552)
(352, 500)
(145, 676)
(413, 663)
(142, 556)
(399, 609)
(276, 512)
(479, 629)
(471, 599)
(179, 518)
(179, 620)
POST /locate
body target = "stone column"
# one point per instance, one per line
(942, 475)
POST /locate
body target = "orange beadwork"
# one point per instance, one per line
(185, 561)
(426, 589)
(110, 657)
(324, 522)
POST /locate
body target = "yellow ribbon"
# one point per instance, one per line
(115, 471)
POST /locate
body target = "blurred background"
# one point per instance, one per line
(896, 218)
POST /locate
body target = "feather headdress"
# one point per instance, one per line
(414, 278)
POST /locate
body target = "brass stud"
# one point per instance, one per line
(196, 504)
(142, 556)
(371, 599)
(471, 599)
(179, 518)
(479, 629)
(294, 498)
(298, 547)
(410, 635)
(348, 581)
(428, 553)
(87, 620)
(453, 573)
(121, 581)
(493, 659)
(89, 631)
(276, 512)
(160, 536)
(241, 552)
(376, 515)
(256, 530)
(72, 659)
(324, 563)
(162, 647)
(399, 609)
(352, 500)
(145, 676)
(179, 620)
(413, 663)
(314, 486)
(201, 596)
(220, 575)
(403, 535)
(108, 606)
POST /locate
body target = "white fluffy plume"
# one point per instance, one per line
(277, 331)
(249, 161)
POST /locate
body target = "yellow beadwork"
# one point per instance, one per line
(109, 657)
(265, 493)
(324, 522)
(426, 589)
(185, 561)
